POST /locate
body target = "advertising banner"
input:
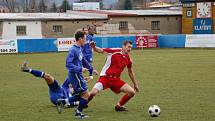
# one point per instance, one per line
(146, 41)
(8, 46)
(202, 26)
(206, 40)
(65, 43)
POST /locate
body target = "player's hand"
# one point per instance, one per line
(92, 44)
(96, 72)
(136, 87)
(87, 79)
(84, 70)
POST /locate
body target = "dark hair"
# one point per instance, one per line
(126, 42)
(79, 35)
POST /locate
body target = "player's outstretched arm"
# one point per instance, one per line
(95, 48)
(132, 77)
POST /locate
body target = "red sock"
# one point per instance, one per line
(124, 100)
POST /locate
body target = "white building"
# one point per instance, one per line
(21, 29)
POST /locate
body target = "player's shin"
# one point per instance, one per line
(83, 102)
(90, 97)
(124, 100)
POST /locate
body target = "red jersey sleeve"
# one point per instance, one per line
(112, 50)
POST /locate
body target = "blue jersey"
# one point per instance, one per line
(86, 49)
(74, 64)
(59, 92)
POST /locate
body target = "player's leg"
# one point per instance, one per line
(80, 87)
(129, 93)
(100, 85)
(82, 104)
(55, 90)
(95, 90)
(49, 79)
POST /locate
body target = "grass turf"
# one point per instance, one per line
(180, 81)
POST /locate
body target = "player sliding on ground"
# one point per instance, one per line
(117, 60)
(56, 91)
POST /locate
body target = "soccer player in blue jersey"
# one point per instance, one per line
(87, 50)
(74, 64)
(56, 91)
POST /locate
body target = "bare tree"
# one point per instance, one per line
(10, 4)
(33, 5)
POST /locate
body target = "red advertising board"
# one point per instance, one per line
(146, 41)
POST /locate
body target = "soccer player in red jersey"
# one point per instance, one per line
(117, 60)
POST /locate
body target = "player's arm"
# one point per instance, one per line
(132, 77)
(87, 64)
(104, 50)
(70, 65)
(98, 50)
(95, 48)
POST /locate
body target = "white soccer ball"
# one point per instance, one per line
(154, 111)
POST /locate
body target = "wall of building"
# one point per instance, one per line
(187, 22)
(168, 24)
(68, 27)
(33, 29)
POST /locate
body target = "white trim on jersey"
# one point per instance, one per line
(107, 64)
(79, 81)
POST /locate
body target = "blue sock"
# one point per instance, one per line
(73, 99)
(83, 102)
(37, 73)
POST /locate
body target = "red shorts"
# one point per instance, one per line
(114, 84)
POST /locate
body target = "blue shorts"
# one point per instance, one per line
(78, 83)
(55, 92)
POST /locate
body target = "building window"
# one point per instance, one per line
(58, 29)
(20, 30)
(123, 25)
(189, 13)
(155, 25)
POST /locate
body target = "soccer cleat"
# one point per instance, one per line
(24, 67)
(80, 115)
(60, 105)
(120, 108)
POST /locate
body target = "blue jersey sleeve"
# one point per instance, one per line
(87, 64)
(70, 64)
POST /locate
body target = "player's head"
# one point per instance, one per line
(127, 46)
(91, 29)
(80, 38)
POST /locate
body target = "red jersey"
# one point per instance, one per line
(115, 62)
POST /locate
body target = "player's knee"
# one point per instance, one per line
(94, 92)
(131, 93)
(85, 95)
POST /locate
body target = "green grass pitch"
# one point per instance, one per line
(180, 81)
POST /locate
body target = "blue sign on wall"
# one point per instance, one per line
(202, 26)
